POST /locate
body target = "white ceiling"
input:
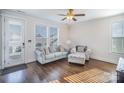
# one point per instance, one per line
(51, 14)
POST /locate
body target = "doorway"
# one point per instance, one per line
(14, 46)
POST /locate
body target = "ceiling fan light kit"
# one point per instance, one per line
(70, 15)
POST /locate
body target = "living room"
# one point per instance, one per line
(92, 30)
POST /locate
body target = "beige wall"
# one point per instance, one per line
(96, 34)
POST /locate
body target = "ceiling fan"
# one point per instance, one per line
(70, 15)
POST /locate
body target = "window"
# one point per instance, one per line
(53, 36)
(46, 37)
(118, 37)
(41, 36)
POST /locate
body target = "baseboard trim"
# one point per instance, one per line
(30, 62)
(103, 61)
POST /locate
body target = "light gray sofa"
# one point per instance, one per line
(43, 58)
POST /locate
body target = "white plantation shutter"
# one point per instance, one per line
(118, 37)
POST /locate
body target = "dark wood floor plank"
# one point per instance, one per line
(37, 73)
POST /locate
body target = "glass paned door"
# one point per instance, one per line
(14, 42)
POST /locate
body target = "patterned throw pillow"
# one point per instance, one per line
(53, 49)
(73, 50)
(58, 48)
(81, 48)
(47, 50)
(62, 49)
(42, 50)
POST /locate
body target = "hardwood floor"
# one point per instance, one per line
(37, 73)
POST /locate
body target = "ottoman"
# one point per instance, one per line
(77, 57)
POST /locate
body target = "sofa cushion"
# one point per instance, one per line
(49, 56)
(64, 53)
(57, 54)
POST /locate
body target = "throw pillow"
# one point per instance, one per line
(42, 50)
(58, 48)
(73, 50)
(52, 49)
(62, 49)
(81, 48)
(47, 50)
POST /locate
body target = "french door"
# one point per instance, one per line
(14, 42)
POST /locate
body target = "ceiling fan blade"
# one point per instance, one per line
(64, 19)
(74, 19)
(79, 14)
(61, 14)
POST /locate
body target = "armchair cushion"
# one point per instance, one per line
(77, 55)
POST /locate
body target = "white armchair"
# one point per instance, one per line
(79, 55)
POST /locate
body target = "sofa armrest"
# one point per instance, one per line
(39, 55)
(88, 51)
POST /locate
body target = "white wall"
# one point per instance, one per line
(31, 35)
(96, 34)
(30, 32)
(0, 42)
